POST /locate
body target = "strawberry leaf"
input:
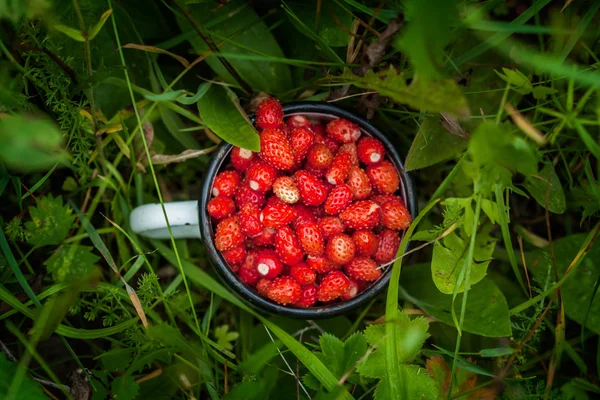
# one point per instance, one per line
(224, 337)
(71, 262)
(124, 388)
(50, 222)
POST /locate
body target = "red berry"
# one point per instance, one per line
(395, 216)
(370, 150)
(389, 242)
(241, 158)
(235, 256)
(339, 169)
(248, 275)
(277, 215)
(312, 190)
(339, 198)
(275, 149)
(358, 181)
(343, 131)
(352, 150)
(319, 130)
(321, 264)
(288, 247)
(364, 214)
(381, 199)
(260, 176)
(319, 157)
(268, 264)
(303, 274)
(301, 140)
(311, 238)
(308, 296)
(353, 290)
(246, 195)
(229, 234)
(366, 243)
(220, 207)
(340, 249)
(226, 183)
(249, 220)
(265, 238)
(384, 177)
(303, 214)
(248, 263)
(331, 226)
(333, 286)
(269, 114)
(284, 290)
(262, 286)
(286, 190)
(362, 268)
(297, 121)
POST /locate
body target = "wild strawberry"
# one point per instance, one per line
(286, 190)
(339, 198)
(331, 226)
(389, 242)
(277, 215)
(370, 150)
(308, 296)
(288, 247)
(318, 130)
(352, 150)
(275, 149)
(269, 114)
(340, 249)
(297, 121)
(220, 207)
(339, 169)
(265, 238)
(333, 286)
(241, 158)
(248, 275)
(226, 183)
(301, 140)
(317, 173)
(362, 268)
(303, 274)
(303, 214)
(343, 131)
(284, 290)
(366, 243)
(364, 214)
(246, 195)
(229, 234)
(249, 220)
(319, 157)
(312, 190)
(311, 238)
(358, 181)
(260, 176)
(262, 286)
(381, 199)
(321, 264)
(384, 177)
(268, 264)
(237, 255)
(248, 262)
(395, 216)
(331, 144)
(352, 291)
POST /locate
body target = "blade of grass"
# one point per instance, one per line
(589, 141)
(38, 183)
(579, 30)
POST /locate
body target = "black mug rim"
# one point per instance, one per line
(248, 294)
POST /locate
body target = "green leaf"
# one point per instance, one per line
(541, 92)
(224, 337)
(29, 144)
(498, 352)
(124, 388)
(517, 80)
(440, 96)
(333, 352)
(29, 389)
(433, 145)
(549, 185)
(96, 28)
(71, 262)
(486, 314)
(74, 34)
(329, 29)
(419, 384)
(50, 222)
(220, 110)
(116, 360)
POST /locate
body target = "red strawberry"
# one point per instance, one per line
(358, 181)
(249, 261)
(384, 177)
(362, 268)
(370, 150)
(301, 140)
(288, 247)
(249, 220)
(395, 216)
(389, 242)
(312, 190)
(352, 291)
(308, 296)
(339, 169)
(265, 238)
(277, 215)
(246, 195)
(229, 234)
(262, 286)
(319, 157)
(311, 238)
(343, 131)
(269, 114)
(352, 150)
(284, 290)
(366, 243)
(333, 286)
(321, 264)
(220, 207)
(286, 190)
(303, 274)
(331, 144)
(248, 275)
(384, 198)
(340, 249)
(275, 149)
(268, 264)
(339, 198)
(318, 130)
(226, 183)
(235, 256)
(331, 226)
(274, 201)
(297, 121)
(363, 214)
(303, 214)
(241, 158)
(260, 176)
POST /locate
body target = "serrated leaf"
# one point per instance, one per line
(29, 389)
(438, 370)
(333, 350)
(224, 337)
(419, 385)
(124, 388)
(355, 348)
(96, 28)
(73, 33)
(71, 262)
(116, 360)
(517, 80)
(50, 222)
(546, 182)
(220, 110)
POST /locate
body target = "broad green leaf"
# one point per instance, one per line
(71, 262)
(419, 384)
(546, 185)
(96, 28)
(517, 80)
(29, 144)
(541, 92)
(486, 313)
(116, 359)
(50, 221)
(73, 33)
(433, 145)
(329, 21)
(440, 96)
(29, 389)
(124, 388)
(333, 352)
(220, 110)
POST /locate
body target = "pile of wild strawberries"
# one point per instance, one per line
(313, 216)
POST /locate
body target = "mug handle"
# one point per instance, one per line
(149, 221)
